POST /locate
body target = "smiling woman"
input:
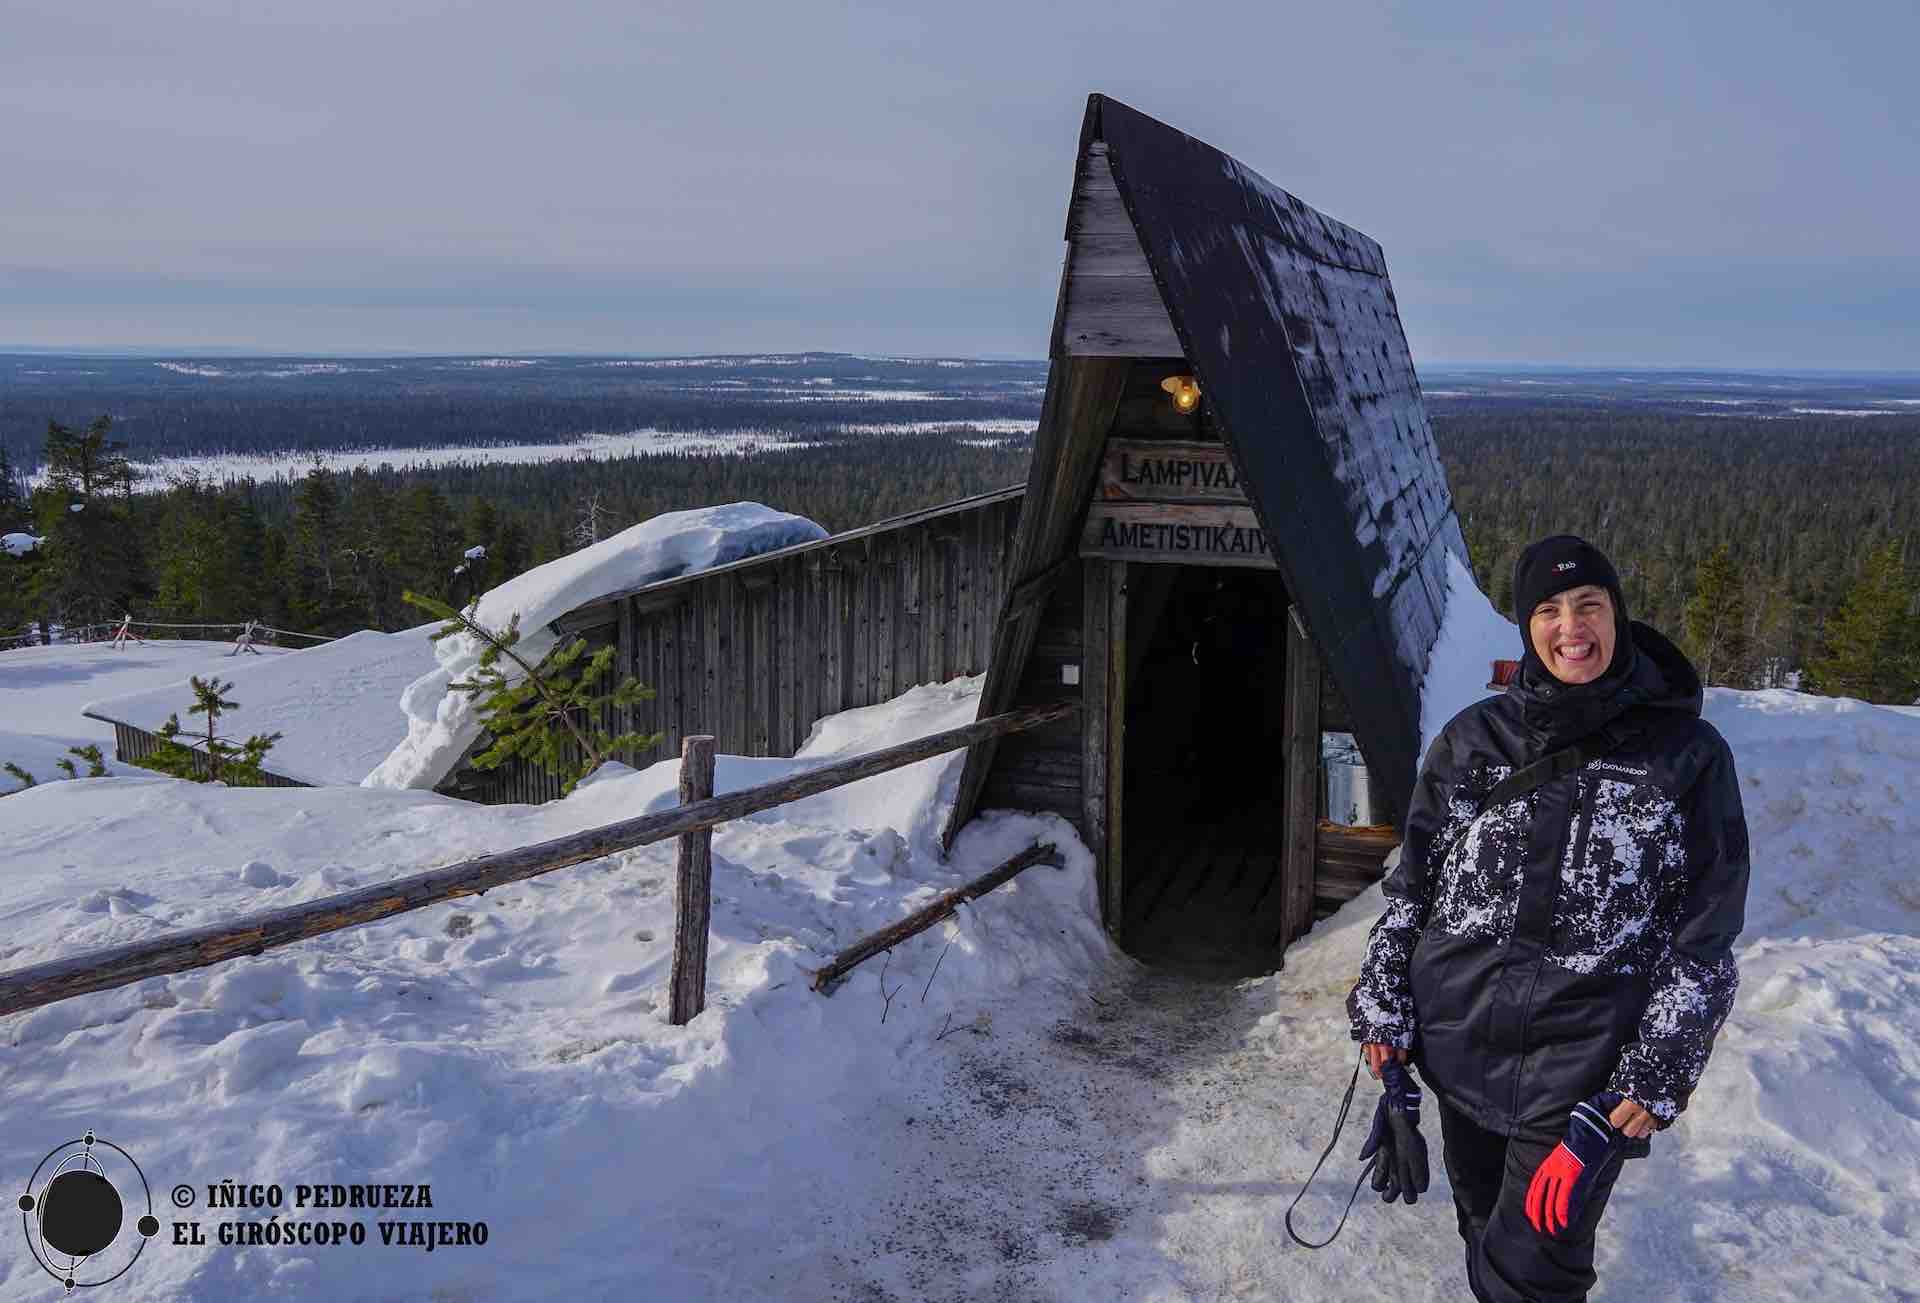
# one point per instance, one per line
(1556, 957)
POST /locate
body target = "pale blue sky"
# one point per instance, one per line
(1714, 184)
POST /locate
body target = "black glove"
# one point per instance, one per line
(1398, 1150)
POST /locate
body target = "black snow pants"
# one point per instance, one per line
(1507, 1260)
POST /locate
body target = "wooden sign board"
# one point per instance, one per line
(1152, 470)
(1196, 533)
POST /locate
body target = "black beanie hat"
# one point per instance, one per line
(1553, 565)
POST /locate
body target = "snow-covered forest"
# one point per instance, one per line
(427, 458)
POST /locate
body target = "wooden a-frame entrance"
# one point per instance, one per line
(1230, 393)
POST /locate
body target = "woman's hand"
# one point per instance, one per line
(1379, 1054)
(1630, 1120)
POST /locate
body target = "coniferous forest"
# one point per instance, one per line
(1774, 548)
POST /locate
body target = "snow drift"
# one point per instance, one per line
(442, 724)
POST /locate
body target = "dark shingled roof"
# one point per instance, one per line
(1291, 327)
(1289, 321)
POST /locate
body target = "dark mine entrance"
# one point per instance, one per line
(1204, 793)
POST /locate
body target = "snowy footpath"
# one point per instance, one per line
(1005, 1108)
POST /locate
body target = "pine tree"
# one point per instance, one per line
(13, 499)
(95, 566)
(15, 572)
(190, 552)
(322, 598)
(246, 560)
(1772, 625)
(429, 542)
(1716, 621)
(86, 463)
(547, 713)
(208, 757)
(475, 574)
(371, 550)
(1871, 642)
(514, 555)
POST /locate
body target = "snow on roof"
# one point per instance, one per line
(337, 704)
(1472, 636)
(44, 689)
(442, 724)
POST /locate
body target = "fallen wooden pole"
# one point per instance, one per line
(922, 919)
(693, 888)
(103, 970)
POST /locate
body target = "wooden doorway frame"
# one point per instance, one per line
(1103, 726)
(1104, 747)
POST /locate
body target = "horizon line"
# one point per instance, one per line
(143, 353)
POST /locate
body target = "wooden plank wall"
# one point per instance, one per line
(1346, 862)
(1040, 768)
(755, 654)
(132, 745)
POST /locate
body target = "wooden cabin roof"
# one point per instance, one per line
(1288, 320)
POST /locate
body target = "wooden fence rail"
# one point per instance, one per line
(103, 970)
(921, 919)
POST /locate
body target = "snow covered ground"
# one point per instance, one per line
(44, 689)
(336, 705)
(1009, 1109)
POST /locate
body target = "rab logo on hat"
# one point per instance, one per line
(1565, 565)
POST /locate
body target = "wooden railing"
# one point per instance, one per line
(104, 970)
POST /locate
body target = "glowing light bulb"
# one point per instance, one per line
(1185, 391)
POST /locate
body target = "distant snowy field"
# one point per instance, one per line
(1035, 1117)
(291, 466)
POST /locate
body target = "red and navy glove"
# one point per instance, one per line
(1398, 1150)
(1561, 1184)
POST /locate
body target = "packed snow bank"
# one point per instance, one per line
(1024, 1114)
(442, 724)
(336, 704)
(1472, 636)
(511, 1051)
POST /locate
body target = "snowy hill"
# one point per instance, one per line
(1031, 1115)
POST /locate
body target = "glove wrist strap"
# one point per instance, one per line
(1339, 1123)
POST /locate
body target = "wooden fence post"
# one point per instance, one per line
(693, 889)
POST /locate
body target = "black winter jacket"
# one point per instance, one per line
(1575, 939)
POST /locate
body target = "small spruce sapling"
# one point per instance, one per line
(543, 713)
(236, 766)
